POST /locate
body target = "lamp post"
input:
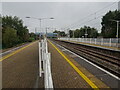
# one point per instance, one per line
(68, 35)
(40, 19)
(117, 26)
(86, 33)
(117, 30)
(73, 34)
(46, 30)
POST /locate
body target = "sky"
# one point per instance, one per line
(67, 15)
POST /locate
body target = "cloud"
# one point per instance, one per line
(65, 13)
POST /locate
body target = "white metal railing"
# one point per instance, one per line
(45, 64)
(112, 42)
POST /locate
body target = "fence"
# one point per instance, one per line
(112, 42)
(45, 64)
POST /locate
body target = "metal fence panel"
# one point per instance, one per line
(112, 42)
(45, 58)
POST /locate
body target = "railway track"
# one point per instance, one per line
(102, 58)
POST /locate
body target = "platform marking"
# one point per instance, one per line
(11, 54)
(92, 63)
(76, 69)
(12, 49)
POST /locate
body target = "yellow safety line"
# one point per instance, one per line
(11, 54)
(76, 69)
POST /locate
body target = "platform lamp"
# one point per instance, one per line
(40, 19)
(117, 34)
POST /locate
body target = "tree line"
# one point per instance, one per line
(60, 33)
(108, 30)
(85, 31)
(78, 33)
(14, 32)
(109, 27)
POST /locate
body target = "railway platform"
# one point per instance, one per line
(67, 73)
(96, 45)
(21, 69)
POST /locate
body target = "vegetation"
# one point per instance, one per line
(13, 32)
(60, 33)
(92, 32)
(9, 37)
(33, 37)
(109, 27)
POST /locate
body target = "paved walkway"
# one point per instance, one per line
(95, 45)
(64, 76)
(68, 73)
(21, 69)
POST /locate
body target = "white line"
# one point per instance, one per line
(40, 68)
(91, 63)
(12, 50)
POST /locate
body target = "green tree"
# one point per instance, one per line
(109, 28)
(33, 36)
(77, 33)
(92, 32)
(16, 24)
(71, 33)
(9, 38)
(82, 31)
(60, 33)
(55, 31)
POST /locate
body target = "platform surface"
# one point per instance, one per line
(95, 45)
(65, 76)
(21, 69)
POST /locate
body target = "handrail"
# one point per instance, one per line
(45, 60)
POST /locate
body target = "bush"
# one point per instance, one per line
(9, 38)
(31, 39)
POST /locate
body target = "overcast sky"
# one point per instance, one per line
(67, 14)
